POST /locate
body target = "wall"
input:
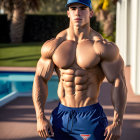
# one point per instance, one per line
(127, 37)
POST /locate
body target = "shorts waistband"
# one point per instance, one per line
(80, 109)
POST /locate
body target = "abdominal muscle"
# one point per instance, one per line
(78, 88)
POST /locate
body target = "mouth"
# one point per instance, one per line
(77, 19)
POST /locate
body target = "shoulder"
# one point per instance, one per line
(105, 49)
(95, 35)
(62, 34)
(50, 46)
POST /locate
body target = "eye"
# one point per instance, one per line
(73, 8)
(83, 8)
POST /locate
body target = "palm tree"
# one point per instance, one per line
(105, 12)
(15, 10)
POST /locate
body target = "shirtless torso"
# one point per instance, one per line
(80, 73)
(78, 65)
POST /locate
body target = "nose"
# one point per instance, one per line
(77, 12)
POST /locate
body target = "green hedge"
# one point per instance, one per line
(39, 28)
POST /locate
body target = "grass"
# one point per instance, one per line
(20, 55)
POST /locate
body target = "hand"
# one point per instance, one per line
(113, 132)
(43, 128)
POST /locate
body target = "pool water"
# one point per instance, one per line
(22, 82)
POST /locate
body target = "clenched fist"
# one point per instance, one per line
(44, 128)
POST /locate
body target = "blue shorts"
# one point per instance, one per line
(84, 123)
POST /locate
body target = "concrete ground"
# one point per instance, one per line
(18, 122)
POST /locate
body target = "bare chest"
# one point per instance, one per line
(69, 52)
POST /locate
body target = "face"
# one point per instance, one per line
(79, 14)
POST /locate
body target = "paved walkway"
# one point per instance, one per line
(28, 69)
(17, 119)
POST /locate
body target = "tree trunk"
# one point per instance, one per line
(18, 20)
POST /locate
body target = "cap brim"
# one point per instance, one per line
(67, 5)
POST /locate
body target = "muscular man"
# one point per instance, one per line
(81, 59)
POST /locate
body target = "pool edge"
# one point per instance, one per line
(8, 98)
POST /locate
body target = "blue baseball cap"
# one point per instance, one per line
(84, 2)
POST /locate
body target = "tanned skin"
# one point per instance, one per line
(81, 59)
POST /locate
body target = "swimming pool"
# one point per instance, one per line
(14, 84)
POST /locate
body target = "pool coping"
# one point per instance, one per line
(8, 98)
(13, 95)
(25, 69)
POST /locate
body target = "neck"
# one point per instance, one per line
(78, 33)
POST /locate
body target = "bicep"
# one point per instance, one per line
(45, 68)
(113, 69)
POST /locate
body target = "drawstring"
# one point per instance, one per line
(68, 122)
(72, 123)
(72, 115)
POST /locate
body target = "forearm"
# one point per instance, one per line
(119, 97)
(39, 95)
